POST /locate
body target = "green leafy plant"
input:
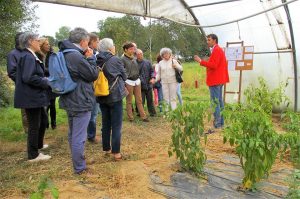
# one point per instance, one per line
(291, 122)
(45, 183)
(188, 127)
(294, 185)
(265, 97)
(250, 130)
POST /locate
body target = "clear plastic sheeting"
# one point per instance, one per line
(222, 179)
(174, 10)
(268, 32)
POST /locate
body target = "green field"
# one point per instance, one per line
(11, 125)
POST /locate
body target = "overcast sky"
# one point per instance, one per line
(53, 16)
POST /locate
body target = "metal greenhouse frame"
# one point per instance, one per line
(271, 26)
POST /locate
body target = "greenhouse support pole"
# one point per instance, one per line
(286, 8)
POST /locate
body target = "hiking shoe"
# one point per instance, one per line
(40, 157)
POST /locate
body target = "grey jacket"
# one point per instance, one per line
(131, 67)
(84, 72)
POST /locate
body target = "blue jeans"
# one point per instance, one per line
(78, 122)
(160, 97)
(112, 118)
(178, 91)
(91, 130)
(217, 101)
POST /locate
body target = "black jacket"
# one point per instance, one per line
(147, 73)
(31, 84)
(84, 73)
(13, 58)
(113, 68)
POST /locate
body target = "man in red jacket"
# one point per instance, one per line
(216, 76)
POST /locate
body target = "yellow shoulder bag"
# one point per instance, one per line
(101, 87)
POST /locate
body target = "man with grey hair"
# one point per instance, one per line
(147, 80)
(79, 102)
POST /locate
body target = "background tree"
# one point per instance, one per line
(184, 41)
(63, 33)
(127, 28)
(15, 15)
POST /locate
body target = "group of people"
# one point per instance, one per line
(129, 75)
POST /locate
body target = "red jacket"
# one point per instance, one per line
(216, 67)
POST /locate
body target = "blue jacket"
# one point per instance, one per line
(113, 68)
(84, 72)
(31, 84)
(13, 58)
(147, 73)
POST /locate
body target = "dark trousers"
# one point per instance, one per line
(37, 121)
(148, 95)
(52, 109)
(91, 130)
(112, 118)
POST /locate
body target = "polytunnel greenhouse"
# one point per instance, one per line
(177, 153)
(270, 26)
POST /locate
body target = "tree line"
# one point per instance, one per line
(19, 15)
(184, 41)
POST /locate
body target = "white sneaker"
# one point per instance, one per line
(40, 157)
(45, 146)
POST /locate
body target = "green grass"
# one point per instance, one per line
(193, 72)
(11, 128)
(11, 124)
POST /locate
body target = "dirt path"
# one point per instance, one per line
(144, 145)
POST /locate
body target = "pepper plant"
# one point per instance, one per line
(294, 185)
(291, 140)
(264, 97)
(188, 130)
(250, 130)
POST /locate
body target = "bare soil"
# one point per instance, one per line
(145, 151)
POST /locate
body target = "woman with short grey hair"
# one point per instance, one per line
(111, 105)
(31, 94)
(26, 38)
(165, 51)
(166, 73)
(106, 45)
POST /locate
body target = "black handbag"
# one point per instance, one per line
(178, 75)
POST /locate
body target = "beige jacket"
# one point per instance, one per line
(165, 71)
